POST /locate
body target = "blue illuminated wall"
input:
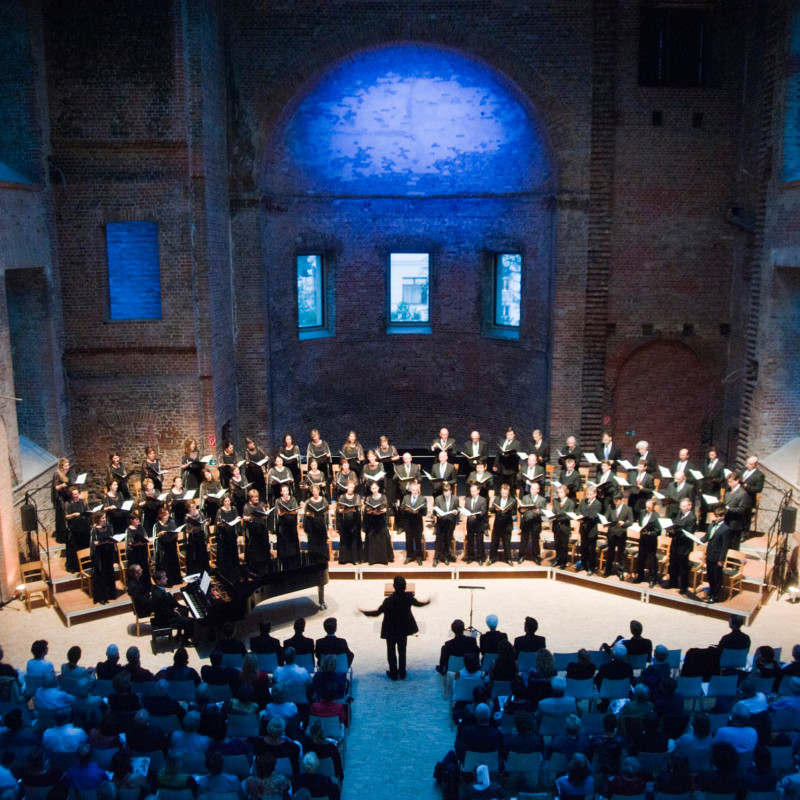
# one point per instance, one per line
(791, 131)
(409, 120)
(134, 275)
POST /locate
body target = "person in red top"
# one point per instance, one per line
(329, 707)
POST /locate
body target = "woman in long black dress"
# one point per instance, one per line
(116, 471)
(211, 493)
(60, 495)
(116, 516)
(373, 472)
(151, 469)
(227, 528)
(191, 465)
(318, 449)
(104, 559)
(279, 476)
(167, 546)
(78, 529)
(290, 453)
(137, 547)
(256, 537)
(237, 488)
(255, 459)
(176, 502)
(195, 539)
(353, 452)
(388, 456)
(315, 524)
(227, 462)
(348, 513)
(377, 542)
(315, 477)
(288, 540)
(343, 478)
(149, 505)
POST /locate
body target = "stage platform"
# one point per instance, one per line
(74, 605)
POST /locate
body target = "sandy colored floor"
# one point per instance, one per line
(401, 729)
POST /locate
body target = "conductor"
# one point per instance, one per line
(398, 624)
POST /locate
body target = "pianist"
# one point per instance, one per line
(166, 610)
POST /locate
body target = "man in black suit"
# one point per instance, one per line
(677, 490)
(445, 443)
(106, 670)
(480, 737)
(643, 452)
(331, 643)
(458, 646)
(475, 450)
(476, 525)
(608, 451)
(531, 507)
(530, 642)
(683, 522)
(540, 448)
(571, 450)
(717, 540)
(683, 465)
(215, 674)
(398, 624)
(491, 640)
(571, 478)
(442, 472)
(753, 484)
(265, 643)
(642, 487)
(607, 486)
(620, 518)
(138, 591)
(303, 645)
(589, 508)
(649, 531)
(533, 473)
(738, 506)
(616, 669)
(735, 640)
(712, 483)
(166, 610)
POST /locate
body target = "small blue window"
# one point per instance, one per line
(409, 291)
(507, 289)
(134, 273)
(310, 296)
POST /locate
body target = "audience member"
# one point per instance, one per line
(557, 705)
(698, 737)
(212, 719)
(328, 706)
(481, 736)
(723, 778)
(172, 776)
(759, 776)
(525, 740)
(504, 667)
(458, 646)
(143, 737)
(529, 642)
(38, 667)
(677, 778)
(607, 750)
(326, 676)
(491, 640)
(71, 671)
(264, 643)
(578, 780)
(106, 670)
(6, 670)
(290, 673)
(790, 701)
(735, 640)
(739, 733)
(303, 645)
(310, 779)
(331, 643)
(278, 745)
(583, 668)
(180, 669)
(216, 782)
(315, 741)
(188, 740)
(162, 704)
(214, 674)
(85, 774)
(792, 669)
(125, 779)
(279, 706)
(134, 667)
(570, 742)
(631, 781)
(38, 771)
(229, 644)
(63, 737)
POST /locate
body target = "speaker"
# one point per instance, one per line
(788, 520)
(27, 514)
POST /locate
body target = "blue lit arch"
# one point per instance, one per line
(409, 120)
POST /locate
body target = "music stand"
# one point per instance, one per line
(471, 601)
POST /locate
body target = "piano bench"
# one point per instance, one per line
(157, 633)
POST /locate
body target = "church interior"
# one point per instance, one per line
(222, 220)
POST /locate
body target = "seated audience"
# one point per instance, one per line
(738, 733)
(328, 706)
(698, 737)
(315, 741)
(310, 779)
(143, 737)
(558, 704)
(583, 668)
(735, 640)
(529, 642)
(481, 736)
(331, 643)
(677, 778)
(278, 745)
(631, 780)
(578, 781)
(759, 776)
(724, 776)
(172, 776)
(125, 779)
(216, 782)
(458, 646)
(85, 774)
(214, 674)
(63, 737)
(570, 742)
(504, 667)
(491, 640)
(106, 670)
(290, 674)
(39, 667)
(180, 669)
(264, 643)
(303, 645)
(162, 704)
(188, 740)
(134, 667)
(326, 676)
(525, 739)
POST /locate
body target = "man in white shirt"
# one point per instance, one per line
(63, 737)
(291, 673)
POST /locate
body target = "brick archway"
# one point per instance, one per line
(663, 393)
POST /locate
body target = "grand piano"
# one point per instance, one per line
(217, 598)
